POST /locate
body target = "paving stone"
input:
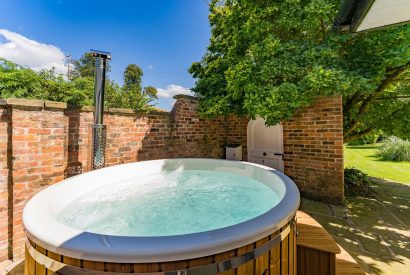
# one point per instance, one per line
(338, 211)
(373, 244)
(353, 247)
(335, 226)
(390, 188)
(374, 230)
(315, 207)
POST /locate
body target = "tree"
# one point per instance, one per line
(133, 95)
(270, 58)
(133, 77)
(85, 66)
(17, 81)
(151, 92)
(21, 82)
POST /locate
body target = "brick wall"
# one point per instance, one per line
(42, 143)
(313, 145)
(4, 220)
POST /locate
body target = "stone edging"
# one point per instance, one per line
(185, 96)
(22, 102)
(45, 104)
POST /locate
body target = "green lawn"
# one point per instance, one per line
(365, 158)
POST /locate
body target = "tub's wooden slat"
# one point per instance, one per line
(118, 267)
(149, 267)
(275, 258)
(248, 268)
(98, 266)
(285, 256)
(53, 256)
(262, 263)
(200, 261)
(224, 256)
(291, 249)
(40, 269)
(295, 250)
(28, 260)
(171, 266)
(72, 261)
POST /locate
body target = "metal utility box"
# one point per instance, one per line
(233, 152)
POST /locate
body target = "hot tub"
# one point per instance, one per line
(173, 216)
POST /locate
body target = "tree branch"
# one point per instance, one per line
(350, 100)
(392, 97)
(366, 102)
(358, 135)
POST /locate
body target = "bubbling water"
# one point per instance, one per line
(170, 203)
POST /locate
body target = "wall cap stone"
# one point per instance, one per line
(55, 104)
(121, 111)
(156, 111)
(63, 105)
(25, 102)
(87, 109)
(185, 96)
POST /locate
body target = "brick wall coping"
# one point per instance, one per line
(45, 104)
(35, 103)
(185, 96)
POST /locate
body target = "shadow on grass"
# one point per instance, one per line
(377, 157)
(370, 146)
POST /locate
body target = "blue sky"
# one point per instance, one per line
(163, 37)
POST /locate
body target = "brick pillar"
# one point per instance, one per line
(39, 141)
(194, 136)
(79, 141)
(4, 197)
(313, 143)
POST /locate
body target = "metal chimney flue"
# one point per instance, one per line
(99, 130)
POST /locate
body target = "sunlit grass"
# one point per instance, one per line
(365, 158)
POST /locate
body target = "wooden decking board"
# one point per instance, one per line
(311, 235)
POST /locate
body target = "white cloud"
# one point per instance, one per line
(151, 67)
(23, 51)
(172, 90)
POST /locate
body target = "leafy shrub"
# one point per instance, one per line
(20, 82)
(357, 183)
(367, 139)
(395, 149)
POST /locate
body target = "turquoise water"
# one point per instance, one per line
(170, 203)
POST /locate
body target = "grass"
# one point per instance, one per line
(365, 159)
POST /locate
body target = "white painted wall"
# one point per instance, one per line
(386, 12)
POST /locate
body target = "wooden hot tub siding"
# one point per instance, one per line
(281, 259)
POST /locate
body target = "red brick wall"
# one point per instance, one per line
(4, 236)
(135, 137)
(313, 143)
(48, 142)
(236, 133)
(39, 158)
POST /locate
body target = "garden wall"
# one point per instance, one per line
(42, 143)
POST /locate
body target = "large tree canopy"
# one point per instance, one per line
(269, 58)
